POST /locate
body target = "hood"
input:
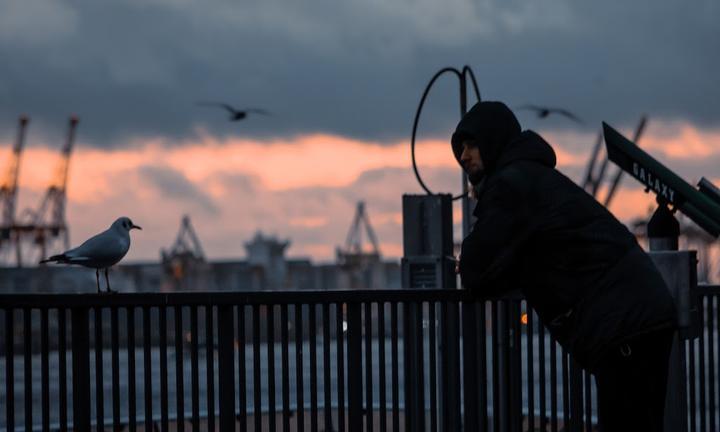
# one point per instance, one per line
(491, 125)
(527, 146)
(499, 137)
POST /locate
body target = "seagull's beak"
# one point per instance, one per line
(135, 226)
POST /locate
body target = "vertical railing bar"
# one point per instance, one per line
(299, 389)
(194, 366)
(432, 358)
(530, 341)
(226, 368)
(420, 358)
(99, 387)
(565, 389)
(716, 333)
(413, 348)
(242, 376)
(80, 369)
(147, 368)
(27, 369)
(588, 402)
(10, 369)
(285, 354)
(257, 385)
(394, 366)
(369, 412)
(210, 367)
(162, 328)
(701, 366)
(553, 386)
(382, 381)
(576, 396)
(62, 366)
(354, 354)
(542, 366)
(115, 366)
(469, 371)
(691, 379)
(481, 335)
(271, 365)
(339, 342)
(450, 378)
(45, 354)
(327, 390)
(131, 368)
(495, 367)
(312, 364)
(179, 373)
(516, 365)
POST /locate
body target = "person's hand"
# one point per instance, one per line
(457, 264)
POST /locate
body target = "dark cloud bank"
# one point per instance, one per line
(134, 69)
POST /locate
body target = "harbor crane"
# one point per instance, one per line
(47, 225)
(354, 258)
(8, 191)
(185, 254)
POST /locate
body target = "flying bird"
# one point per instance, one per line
(543, 112)
(235, 114)
(101, 251)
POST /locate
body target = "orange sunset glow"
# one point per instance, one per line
(278, 174)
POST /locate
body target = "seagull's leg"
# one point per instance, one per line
(97, 279)
(107, 279)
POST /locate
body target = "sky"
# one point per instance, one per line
(341, 81)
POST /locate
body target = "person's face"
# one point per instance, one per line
(470, 158)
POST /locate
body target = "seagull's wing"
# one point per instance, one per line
(257, 111)
(102, 250)
(218, 104)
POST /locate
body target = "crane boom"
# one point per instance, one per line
(8, 189)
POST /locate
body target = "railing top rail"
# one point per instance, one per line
(705, 290)
(155, 299)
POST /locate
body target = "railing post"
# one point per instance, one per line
(450, 378)
(9, 370)
(413, 367)
(80, 369)
(502, 337)
(514, 365)
(355, 390)
(576, 397)
(470, 372)
(226, 367)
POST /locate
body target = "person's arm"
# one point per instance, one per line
(490, 251)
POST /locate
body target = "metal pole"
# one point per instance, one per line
(466, 215)
(663, 231)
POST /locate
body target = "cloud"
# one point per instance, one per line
(133, 69)
(52, 21)
(173, 184)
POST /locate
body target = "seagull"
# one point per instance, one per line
(101, 251)
(235, 114)
(543, 112)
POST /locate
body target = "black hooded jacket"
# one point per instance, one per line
(580, 269)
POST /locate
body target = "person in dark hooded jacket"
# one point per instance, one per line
(580, 269)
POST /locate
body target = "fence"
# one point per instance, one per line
(295, 361)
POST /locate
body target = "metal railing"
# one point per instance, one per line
(702, 359)
(292, 361)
